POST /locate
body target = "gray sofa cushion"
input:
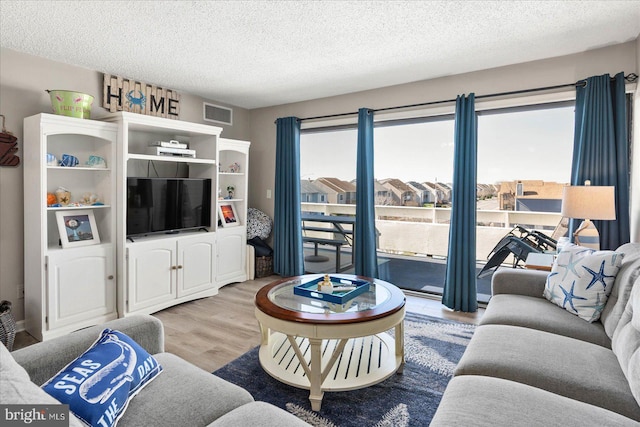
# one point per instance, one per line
(538, 313)
(626, 341)
(258, 414)
(488, 402)
(183, 392)
(627, 275)
(561, 365)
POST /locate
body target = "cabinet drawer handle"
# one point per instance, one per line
(110, 277)
(173, 267)
(179, 267)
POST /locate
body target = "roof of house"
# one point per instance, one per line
(337, 185)
(396, 183)
(379, 188)
(309, 187)
(487, 187)
(535, 189)
(430, 185)
(417, 186)
(443, 186)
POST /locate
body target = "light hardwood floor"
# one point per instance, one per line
(211, 332)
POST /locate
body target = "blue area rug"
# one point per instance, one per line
(433, 347)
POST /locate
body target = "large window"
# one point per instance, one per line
(533, 143)
(524, 159)
(328, 153)
(414, 161)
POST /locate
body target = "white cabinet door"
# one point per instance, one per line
(80, 285)
(232, 253)
(74, 290)
(151, 277)
(195, 264)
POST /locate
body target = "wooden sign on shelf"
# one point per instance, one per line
(120, 94)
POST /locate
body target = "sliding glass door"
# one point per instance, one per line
(328, 173)
(524, 161)
(414, 171)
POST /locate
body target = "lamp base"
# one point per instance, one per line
(587, 235)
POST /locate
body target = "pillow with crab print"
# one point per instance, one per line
(581, 280)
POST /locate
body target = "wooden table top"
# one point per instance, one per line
(394, 301)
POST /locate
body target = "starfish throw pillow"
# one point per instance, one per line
(581, 280)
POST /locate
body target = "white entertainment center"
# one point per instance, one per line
(73, 287)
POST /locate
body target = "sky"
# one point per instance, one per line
(533, 144)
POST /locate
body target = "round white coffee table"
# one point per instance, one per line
(319, 346)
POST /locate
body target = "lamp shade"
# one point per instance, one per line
(588, 202)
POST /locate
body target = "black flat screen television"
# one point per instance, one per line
(167, 205)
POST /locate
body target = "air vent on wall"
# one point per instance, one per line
(218, 114)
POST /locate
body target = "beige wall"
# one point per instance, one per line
(548, 72)
(23, 81)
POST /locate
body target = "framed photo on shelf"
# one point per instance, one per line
(228, 215)
(77, 228)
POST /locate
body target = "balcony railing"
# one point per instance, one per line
(425, 231)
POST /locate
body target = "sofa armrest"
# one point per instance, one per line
(518, 281)
(45, 359)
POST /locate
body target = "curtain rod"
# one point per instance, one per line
(630, 77)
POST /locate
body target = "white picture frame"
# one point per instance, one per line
(77, 228)
(228, 214)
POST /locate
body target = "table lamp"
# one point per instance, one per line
(588, 202)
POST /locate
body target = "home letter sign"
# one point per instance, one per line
(121, 94)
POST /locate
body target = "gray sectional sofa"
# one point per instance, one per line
(532, 363)
(182, 395)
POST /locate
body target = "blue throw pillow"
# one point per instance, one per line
(99, 383)
(581, 280)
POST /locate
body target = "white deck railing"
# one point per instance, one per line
(425, 231)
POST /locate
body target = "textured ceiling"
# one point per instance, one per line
(262, 53)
